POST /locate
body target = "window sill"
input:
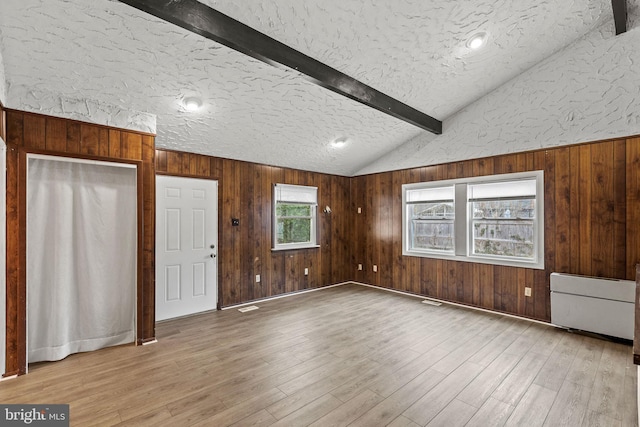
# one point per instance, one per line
(508, 262)
(294, 248)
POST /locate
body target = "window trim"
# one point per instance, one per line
(406, 203)
(462, 224)
(304, 191)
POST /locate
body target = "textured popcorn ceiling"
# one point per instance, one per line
(415, 50)
(586, 92)
(106, 62)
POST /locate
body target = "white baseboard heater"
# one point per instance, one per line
(593, 304)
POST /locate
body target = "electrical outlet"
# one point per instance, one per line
(359, 267)
(527, 292)
(306, 271)
(257, 278)
(359, 210)
(375, 268)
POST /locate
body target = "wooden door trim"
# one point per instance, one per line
(182, 175)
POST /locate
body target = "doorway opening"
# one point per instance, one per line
(82, 255)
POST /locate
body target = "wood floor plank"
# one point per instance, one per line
(547, 342)
(240, 411)
(348, 355)
(359, 384)
(493, 413)
(394, 405)
(570, 406)
(606, 395)
(158, 393)
(350, 410)
(585, 365)
(557, 366)
(429, 405)
(525, 341)
(630, 407)
(533, 408)
(151, 419)
(456, 413)
(295, 401)
(596, 419)
(455, 358)
(261, 418)
(479, 390)
(402, 421)
(519, 379)
(185, 414)
(104, 419)
(387, 384)
(304, 396)
(130, 398)
(240, 393)
(321, 373)
(310, 412)
(193, 401)
(502, 339)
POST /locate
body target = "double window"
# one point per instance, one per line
(294, 213)
(493, 219)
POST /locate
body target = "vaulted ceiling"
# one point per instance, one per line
(104, 59)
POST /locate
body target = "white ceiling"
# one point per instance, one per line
(107, 52)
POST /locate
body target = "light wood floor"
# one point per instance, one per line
(349, 355)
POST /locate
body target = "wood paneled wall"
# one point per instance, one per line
(27, 132)
(592, 227)
(245, 191)
(592, 222)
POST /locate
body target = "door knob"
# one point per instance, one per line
(212, 255)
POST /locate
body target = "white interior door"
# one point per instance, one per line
(186, 246)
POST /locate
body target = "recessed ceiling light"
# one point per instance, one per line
(477, 41)
(192, 103)
(339, 142)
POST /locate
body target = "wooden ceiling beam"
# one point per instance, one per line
(207, 22)
(620, 15)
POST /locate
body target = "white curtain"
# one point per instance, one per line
(81, 257)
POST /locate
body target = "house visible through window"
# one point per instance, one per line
(503, 220)
(431, 213)
(492, 219)
(295, 208)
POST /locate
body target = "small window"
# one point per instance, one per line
(294, 225)
(431, 215)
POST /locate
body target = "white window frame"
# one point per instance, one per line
(295, 194)
(463, 236)
(431, 194)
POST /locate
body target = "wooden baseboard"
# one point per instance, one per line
(9, 375)
(285, 295)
